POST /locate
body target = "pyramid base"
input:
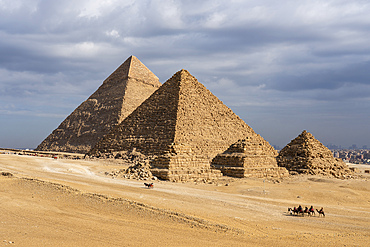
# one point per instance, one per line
(256, 172)
(181, 168)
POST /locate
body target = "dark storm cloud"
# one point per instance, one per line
(352, 74)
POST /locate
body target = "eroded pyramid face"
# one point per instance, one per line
(121, 93)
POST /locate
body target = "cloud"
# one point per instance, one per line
(262, 58)
(348, 77)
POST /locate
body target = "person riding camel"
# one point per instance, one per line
(321, 212)
(299, 208)
(312, 211)
(306, 210)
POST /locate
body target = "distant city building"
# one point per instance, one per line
(367, 155)
(353, 156)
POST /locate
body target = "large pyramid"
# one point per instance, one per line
(305, 154)
(183, 124)
(122, 92)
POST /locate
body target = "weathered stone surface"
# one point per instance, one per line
(182, 123)
(305, 154)
(249, 157)
(180, 164)
(123, 91)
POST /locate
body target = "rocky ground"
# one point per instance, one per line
(76, 202)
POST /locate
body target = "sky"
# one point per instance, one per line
(282, 66)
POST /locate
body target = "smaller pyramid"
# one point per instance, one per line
(124, 90)
(306, 155)
(249, 157)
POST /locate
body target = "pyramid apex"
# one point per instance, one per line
(306, 134)
(182, 75)
(182, 72)
(135, 69)
(139, 71)
(132, 57)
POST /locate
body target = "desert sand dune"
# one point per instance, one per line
(63, 202)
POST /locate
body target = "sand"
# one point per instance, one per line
(65, 202)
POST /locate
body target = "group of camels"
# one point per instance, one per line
(309, 211)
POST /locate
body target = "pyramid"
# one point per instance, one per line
(249, 157)
(123, 91)
(305, 154)
(183, 124)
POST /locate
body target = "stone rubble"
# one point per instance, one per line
(139, 171)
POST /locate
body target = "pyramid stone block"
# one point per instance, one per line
(305, 154)
(183, 124)
(123, 91)
(249, 157)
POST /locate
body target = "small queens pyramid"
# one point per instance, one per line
(183, 124)
(305, 154)
(249, 157)
(124, 90)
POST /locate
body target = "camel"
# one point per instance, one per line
(306, 211)
(292, 211)
(311, 210)
(300, 211)
(295, 211)
(321, 212)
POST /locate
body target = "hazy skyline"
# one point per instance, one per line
(282, 66)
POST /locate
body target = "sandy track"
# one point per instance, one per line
(72, 202)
